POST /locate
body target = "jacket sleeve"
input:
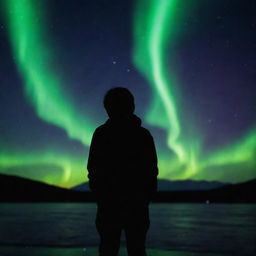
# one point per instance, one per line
(154, 170)
(95, 162)
(151, 163)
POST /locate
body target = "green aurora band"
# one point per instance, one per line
(70, 166)
(155, 26)
(152, 31)
(150, 36)
(155, 29)
(33, 57)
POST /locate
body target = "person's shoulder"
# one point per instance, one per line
(145, 132)
(100, 130)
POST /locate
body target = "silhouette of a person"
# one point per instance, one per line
(122, 172)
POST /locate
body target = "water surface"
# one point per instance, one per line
(227, 229)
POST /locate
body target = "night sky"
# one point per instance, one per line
(191, 66)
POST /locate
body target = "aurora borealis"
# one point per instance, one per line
(42, 86)
(190, 66)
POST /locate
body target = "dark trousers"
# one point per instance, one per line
(112, 218)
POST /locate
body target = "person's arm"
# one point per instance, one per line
(150, 161)
(153, 169)
(94, 164)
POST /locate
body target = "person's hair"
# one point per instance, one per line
(119, 102)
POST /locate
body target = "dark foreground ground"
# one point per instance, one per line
(90, 251)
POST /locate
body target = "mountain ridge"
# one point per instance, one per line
(27, 190)
(172, 185)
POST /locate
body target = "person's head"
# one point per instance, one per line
(119, 102)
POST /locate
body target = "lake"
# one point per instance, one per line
(225, 229)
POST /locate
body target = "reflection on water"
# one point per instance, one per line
(217, 228)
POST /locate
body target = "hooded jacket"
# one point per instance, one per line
(122, 161)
